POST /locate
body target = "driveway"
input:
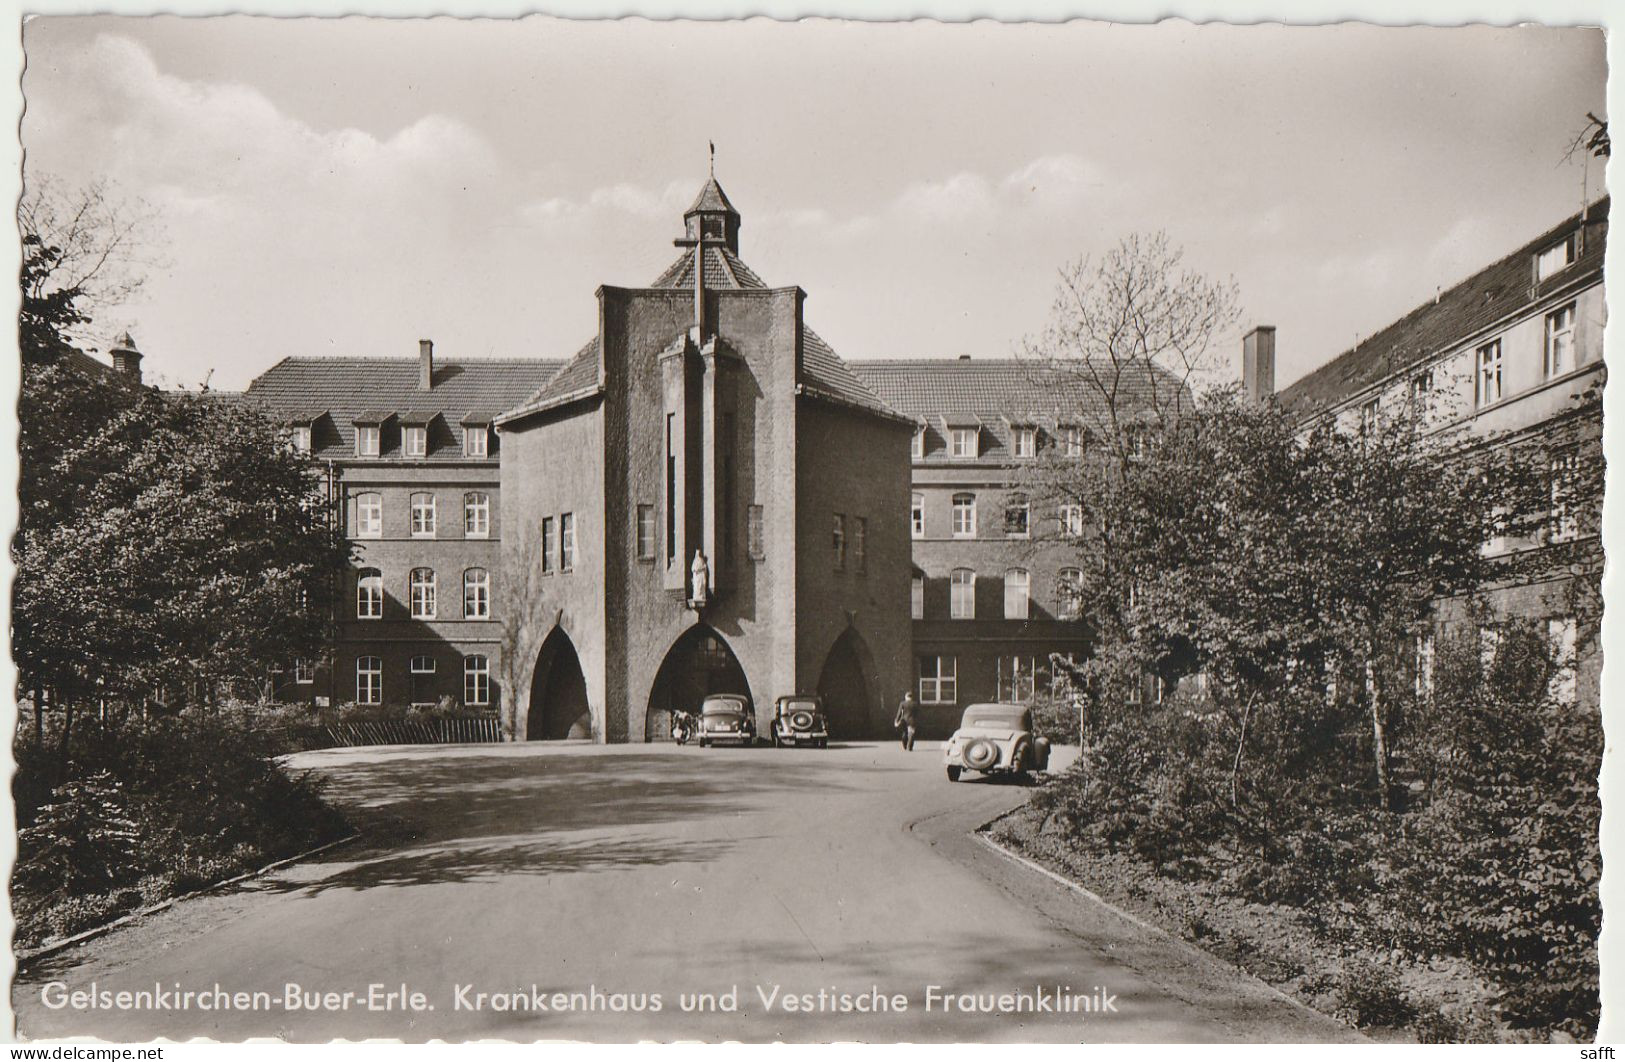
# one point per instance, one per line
(735, 885)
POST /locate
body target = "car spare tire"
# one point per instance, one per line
(980, 755)
(801, 720)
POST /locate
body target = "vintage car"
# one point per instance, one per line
(995, 739)
(800, 720)
(726, 717)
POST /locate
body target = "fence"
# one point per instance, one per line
(442, 730)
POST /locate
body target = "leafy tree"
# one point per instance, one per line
(165, 540)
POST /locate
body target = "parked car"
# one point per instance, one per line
(800, 720)
(995, 739)
(726, 717)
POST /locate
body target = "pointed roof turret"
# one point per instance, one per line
(712, 217)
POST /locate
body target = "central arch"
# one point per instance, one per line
(846, 688)
(699, 663)
(558, 693)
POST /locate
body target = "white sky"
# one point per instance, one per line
(351, 186)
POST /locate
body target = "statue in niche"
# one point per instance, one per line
(699, 579)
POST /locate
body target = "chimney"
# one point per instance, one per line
(126, 358)
(425, 365)
(1258, 363)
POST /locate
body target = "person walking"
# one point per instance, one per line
(906, 722)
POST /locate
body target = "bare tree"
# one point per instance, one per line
(1130, 336)
(84, 250)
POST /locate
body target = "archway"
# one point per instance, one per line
(558, 693)
(845, 689)
(699, 663)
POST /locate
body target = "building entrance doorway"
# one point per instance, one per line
(845, 690)
(698, 664)
(558, 693)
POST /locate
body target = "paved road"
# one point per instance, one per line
(523, 870)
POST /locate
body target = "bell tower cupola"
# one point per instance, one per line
(712, 217)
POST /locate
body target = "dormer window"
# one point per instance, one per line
(366, 440)
(301, 438)
(1025, 442)
(415, 440)
(1071, 440)
(476, 440)
(918, 447)
(1554, 258)
(962, 442)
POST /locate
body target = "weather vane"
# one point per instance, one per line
(713, 145)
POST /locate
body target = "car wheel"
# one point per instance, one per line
(823, 743)
(953, 774)
(703, 743)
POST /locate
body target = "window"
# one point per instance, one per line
(916, 599)
(1554, 258)
(1489, 373)
(369, 680)
(838, 541)
(476, 594)
(476, 680)
(1368, 417)
(646, 532)
(916, 515)
(421, 672)
(369, 594)
(962, 594)
(962, 442)
(476, 440)
(423, 516)
(1069, 593)
(1562, 633)
(414, 440)
(1137, 439)
(567, 542)
(476, 515)
(369, 515)
(1564, 523)
(917, 447)
(420, 592)
(1025, 442)
(1421, 387)
(1072, 440)
(964, 506)
(366, 441)
(754, 540)
(301, 438)
(1017, 593)
(547, 544)
(1016, 678)
(938, 680)
(1489, 644)
(1017, 516)
(1424, 663)
(1072, 520)
(1559, 342)
(860, 544)
(671, 489)
(304, 671)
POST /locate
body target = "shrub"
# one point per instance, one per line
(1370, 995)
(149, 810)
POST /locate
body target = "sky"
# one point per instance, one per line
(351, 186)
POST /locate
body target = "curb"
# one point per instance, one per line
(51, 947)
(1133, 919)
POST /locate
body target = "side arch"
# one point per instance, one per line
(558, 692)
(849, 685)
(699, 663)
